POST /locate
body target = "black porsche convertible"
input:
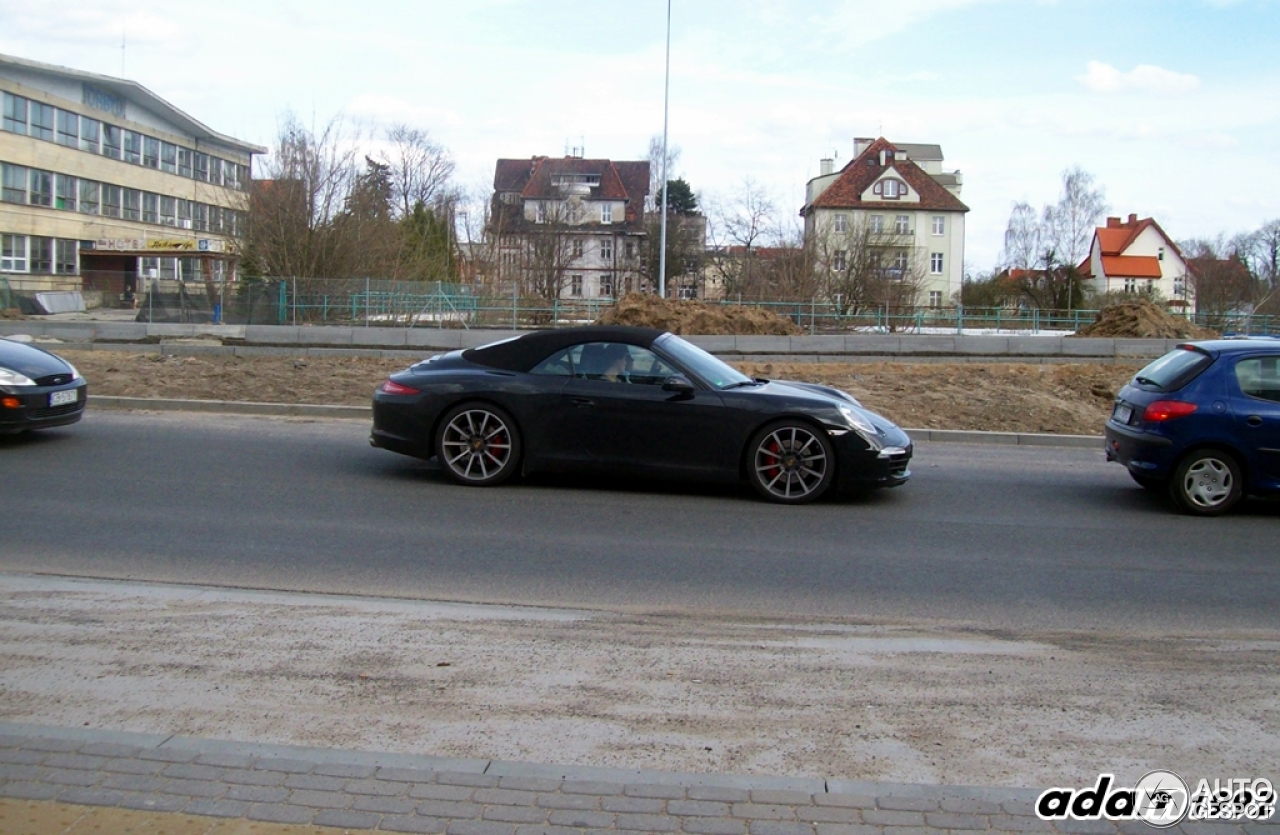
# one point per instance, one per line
(635, 401)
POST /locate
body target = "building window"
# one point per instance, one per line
(215, 171)
(90, 134)
(939, 224)
(89, 194)
(41, 121)
(42, 255)
(13, 253)
(890, 189)
(184, 213)
(577, 248)
(133, 147)
(110, 141)
(630, 249)
(169, 268)
(202, 167)
(67, 252)
(15, 183)
(877, 224)
(540, 212)
(132, 204)
(902, 225)
(41, 193)
(15, 114)
(1160, 254)
(935, 263)
(184, 162)
(169, 157)
(150, 152)
(841, 260)
(935, 299)
(168, 211)
(575, 285)
(149, 267)
(150, 207)
(215, 219)
(68, 129)
(65, 192)
(200, 217)
(606, 214)
(606, 285)
(606, 250)
(1131, 285)
(111, 201)
(842, 224)
(900, 263)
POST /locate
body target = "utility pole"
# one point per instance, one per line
(666, 105)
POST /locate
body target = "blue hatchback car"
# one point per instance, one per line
(1203, 423)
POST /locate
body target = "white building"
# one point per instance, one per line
(901, 194)
(1136, 256)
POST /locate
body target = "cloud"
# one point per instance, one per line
(1104, 78)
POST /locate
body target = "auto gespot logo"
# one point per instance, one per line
(1161, 799)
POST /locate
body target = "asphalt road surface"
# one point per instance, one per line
(995, 537)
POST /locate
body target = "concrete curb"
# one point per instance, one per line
(11, 732)
(232, 407)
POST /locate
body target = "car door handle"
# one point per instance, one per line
(582, 401)
(1253, 420)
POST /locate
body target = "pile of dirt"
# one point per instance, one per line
(694, 317)
(11, 313)
(1144, 319)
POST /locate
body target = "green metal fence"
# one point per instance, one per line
(7, 301)
(368, 302)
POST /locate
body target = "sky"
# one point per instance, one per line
(1172, 105)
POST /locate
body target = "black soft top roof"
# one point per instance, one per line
(524, 352)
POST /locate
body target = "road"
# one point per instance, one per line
(1003, 538)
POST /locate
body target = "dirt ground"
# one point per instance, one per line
(875, 701)
(1007, 397)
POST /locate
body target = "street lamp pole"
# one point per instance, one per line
(666, 105)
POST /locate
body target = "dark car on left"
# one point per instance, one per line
(633, 402)
(38, 389)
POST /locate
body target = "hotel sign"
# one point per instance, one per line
(159, 245)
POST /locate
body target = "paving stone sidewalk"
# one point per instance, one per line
(364, 791)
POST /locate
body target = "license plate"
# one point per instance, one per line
(1122, 413)
(62, 398)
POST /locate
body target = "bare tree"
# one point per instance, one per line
(1023, 243)
(1069, 224)
(653, 200)
(739, 225)
(420, 169)
(862, 267)
(303, 189)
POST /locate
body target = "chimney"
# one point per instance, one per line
(826, 166)
(1113, 223)
(883, 153)
(861, 144)
(1133, 220)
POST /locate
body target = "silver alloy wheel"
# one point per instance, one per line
(476, 445)
(791, 463)
(1208, 482)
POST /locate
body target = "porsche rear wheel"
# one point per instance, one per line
(790, 462)
(478, 444)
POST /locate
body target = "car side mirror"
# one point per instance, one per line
(678, 384)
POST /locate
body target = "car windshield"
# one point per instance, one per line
(1174, 370)
(715, 372)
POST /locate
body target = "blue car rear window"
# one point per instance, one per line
(1174, 370)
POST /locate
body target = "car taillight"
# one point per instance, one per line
(1167, 410)
(392, 387)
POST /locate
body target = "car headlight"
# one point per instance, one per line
(864, 427)
(9, 377)
(75, 375)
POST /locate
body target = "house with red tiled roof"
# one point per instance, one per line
(570, 227)
(897, 199)
(1135, 256)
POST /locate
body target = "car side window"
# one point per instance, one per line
(647, 368)
(1260, 377)
(559, 364)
